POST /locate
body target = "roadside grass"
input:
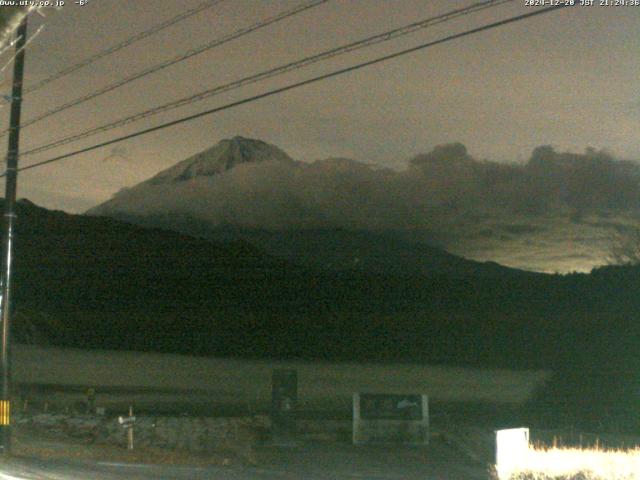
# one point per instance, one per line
(558, 463)
(56, 447)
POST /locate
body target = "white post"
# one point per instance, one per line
(512, 446)
(130, 430)
(356, 419)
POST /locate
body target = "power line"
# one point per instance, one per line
(29, 40)
(292, 86)
(190, 53)
(125, 43)
(28, 12)
(366, 42)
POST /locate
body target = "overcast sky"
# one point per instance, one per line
(568, 78)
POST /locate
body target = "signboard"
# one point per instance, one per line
(390, 418)
(390, 407)
(127, 422)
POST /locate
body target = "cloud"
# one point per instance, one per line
(557, 205)
(632, 107)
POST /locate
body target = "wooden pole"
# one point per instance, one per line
(7, 251)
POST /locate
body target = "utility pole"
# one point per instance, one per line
(7, 247)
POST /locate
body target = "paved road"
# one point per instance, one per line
(309, 462)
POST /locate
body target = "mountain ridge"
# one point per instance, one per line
(520, 215)
(324, 247)
(336, 249)
(220, 158)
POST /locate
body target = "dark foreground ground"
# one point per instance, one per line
(312, 460)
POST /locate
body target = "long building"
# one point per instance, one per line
(134, 377)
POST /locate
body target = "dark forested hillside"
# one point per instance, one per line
(99, 283)
(111, 284)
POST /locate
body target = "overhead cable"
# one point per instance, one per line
(125, 43)
(180, 58)
(292, 86)
(280, 70)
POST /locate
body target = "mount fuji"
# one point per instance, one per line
(316, 215)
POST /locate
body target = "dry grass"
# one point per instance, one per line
(58, 448)
(540, 463)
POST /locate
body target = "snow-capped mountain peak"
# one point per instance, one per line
(222, 157)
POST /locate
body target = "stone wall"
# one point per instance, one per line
(195, 434)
